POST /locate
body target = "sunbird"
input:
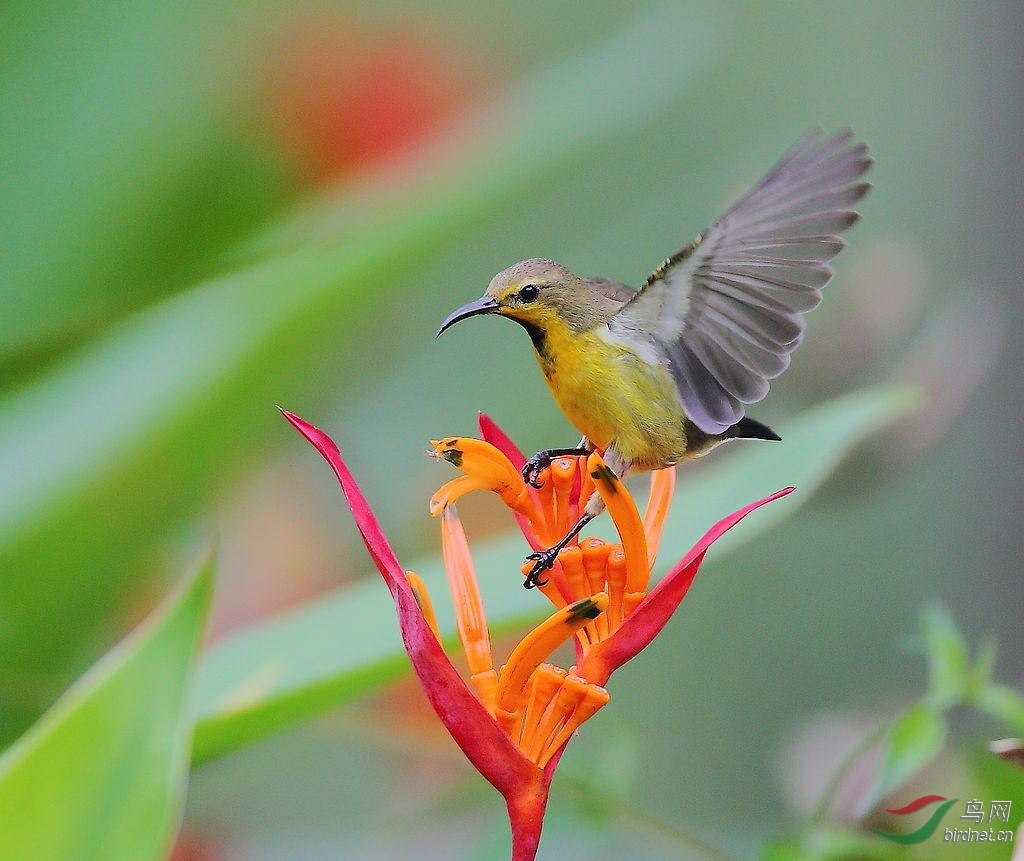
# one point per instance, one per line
(663, 374)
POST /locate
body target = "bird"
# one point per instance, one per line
(661, 375)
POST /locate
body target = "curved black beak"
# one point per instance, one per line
(483, 305)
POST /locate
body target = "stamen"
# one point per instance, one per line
(469, 610)
(422, 596)
(540, 643)
(626, 519)
(663, 484)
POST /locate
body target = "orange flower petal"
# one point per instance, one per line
(450, 492)
(626, 518)
(576, 702)
(479, 459)
(663, 484)
(544, 684)
(486, 684)
(570, 571)
(469, 608)
(540, 643)
(616, 579)
(595, 568)
(422, 596)
(562, 475)
(489, 468)
(553, 587)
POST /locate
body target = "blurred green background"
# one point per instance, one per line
(211, 208)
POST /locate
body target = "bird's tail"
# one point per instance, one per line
(748, 428)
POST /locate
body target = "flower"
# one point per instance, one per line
(514, 722)
(634, 615)
(339, 95)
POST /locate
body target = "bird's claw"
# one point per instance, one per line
(534, 467)
(545, 559)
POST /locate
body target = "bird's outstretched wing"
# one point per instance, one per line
(726, 311)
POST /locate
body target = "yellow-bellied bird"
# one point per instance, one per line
(662, 375)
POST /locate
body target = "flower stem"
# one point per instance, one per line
(526, 816)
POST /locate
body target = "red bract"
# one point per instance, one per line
(514, 722)
(651, 615)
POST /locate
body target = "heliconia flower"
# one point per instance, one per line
(515, 727)
(514, 722)
(622, 571)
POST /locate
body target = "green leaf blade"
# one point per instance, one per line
(101, 774)
(948, 658)
(1004, 704)
(911, 743)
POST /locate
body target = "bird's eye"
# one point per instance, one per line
(529, 293)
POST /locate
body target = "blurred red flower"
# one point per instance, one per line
(341, 97)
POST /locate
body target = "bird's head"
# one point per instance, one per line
(538, 294)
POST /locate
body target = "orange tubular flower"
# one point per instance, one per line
(513, 722)
(622, 571)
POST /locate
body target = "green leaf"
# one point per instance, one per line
(948, 658)
(338, 648)
(981, 672)
(105, 450)
(913, 741)
(102, 774)
(112, 156)
(1004, 704)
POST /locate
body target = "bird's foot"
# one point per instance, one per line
(535, 466)
(542, 460)
(545, 559)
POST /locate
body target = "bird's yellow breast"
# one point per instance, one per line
(613, 396)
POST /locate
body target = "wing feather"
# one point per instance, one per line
(785, 296)
(711, 402)
(734, 376)
(726, 312)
